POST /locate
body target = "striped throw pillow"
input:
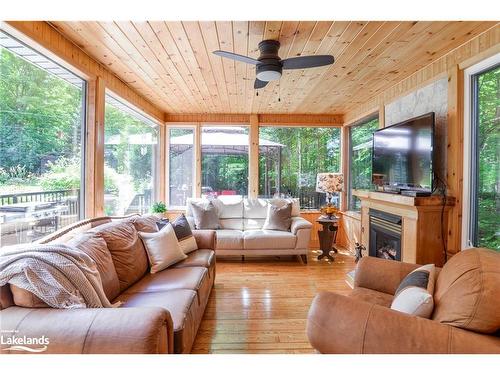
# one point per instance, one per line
(187, 242)
(414, 294)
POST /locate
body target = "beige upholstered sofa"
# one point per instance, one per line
(241, 221)
(466, 316)
(160, 312)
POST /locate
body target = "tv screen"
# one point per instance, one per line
(402, 154)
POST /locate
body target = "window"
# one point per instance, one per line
(224, 160)
(483, 165)
(181, 165)
(42, 107)
(291, 157)
(130, 159)
(360, 158)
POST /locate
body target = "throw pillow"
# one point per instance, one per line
(414, 294)
(163, 248)
(205, 215)
(278, 218)
(161, 223)
(187, 242)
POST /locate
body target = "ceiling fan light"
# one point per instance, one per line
(268, 75)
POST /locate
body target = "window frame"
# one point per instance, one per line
(359, 123)
(196, 141)
(140, 115)
(39, 50)
(471, 153)
(309, 126)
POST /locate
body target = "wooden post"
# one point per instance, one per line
(162, 168)
(253, 157)
(344, 165)
(197, 156)
(94, 148)
(454, 175)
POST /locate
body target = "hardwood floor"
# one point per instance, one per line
(260, 305)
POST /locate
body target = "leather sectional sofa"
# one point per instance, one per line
(241, 221)
(160, 312)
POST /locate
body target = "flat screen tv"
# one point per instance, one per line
(402, 155)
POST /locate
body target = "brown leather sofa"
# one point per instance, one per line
(161, 312)
(466, 317)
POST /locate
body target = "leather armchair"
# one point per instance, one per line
(363, 322)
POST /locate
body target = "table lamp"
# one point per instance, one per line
(329, 183)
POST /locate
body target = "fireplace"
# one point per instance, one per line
(385, 235)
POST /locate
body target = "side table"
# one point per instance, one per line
(327, 236)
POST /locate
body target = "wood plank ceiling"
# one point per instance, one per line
(172, 65)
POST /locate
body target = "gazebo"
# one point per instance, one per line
(232, 141)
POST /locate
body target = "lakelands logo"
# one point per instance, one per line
(24, 343)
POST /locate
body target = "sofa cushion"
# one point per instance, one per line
(467, 291)
(96, 248)
(182, 306)
(163, 248)
(184, 235)
(236, 224)
(205, 215)
(145, 223)
(253, 223)
(170, 279)
(230, 207)
(229, 239)
(24, 298)
(268, 239)
(127, 251)
(255, 208)
(372, 296)
(278, 218)
(198, 258)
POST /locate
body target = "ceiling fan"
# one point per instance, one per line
(269, 65)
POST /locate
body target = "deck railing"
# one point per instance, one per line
(70, 198)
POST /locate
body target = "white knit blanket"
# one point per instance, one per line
(58, 274)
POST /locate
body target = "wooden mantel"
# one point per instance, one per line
(421, 239)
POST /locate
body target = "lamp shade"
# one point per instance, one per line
(329, 182)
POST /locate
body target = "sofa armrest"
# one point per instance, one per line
(299, 223)
(145, 330)
(381, 274)
(205, 238)
(340, 324)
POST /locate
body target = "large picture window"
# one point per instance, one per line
(291, 157)
(360, 158)
(42, 107)
(484, 230)
(224, 160)
(181, 166)
(130, 159)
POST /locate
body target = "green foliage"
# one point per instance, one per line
(15, 175)
(40, 115)
(159, 208)
(63, 174)
(361, 158)
(489, 159)
(306, 152)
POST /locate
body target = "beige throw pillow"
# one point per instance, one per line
(163, 248)
(414, 294)
(205, 215)
(278, 218)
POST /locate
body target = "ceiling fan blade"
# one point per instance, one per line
(259, 84)
(235, 56)
(303, 62)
